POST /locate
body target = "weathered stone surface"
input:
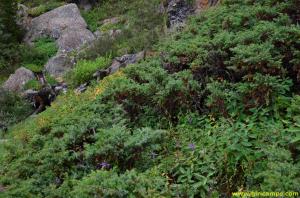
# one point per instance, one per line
(58, 65)
(17, 80)
(54, 22)
(178, 11)
(82, 88)
(61, 88)
(72, 39)
(125, 60)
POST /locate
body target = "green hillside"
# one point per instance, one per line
(214, 110)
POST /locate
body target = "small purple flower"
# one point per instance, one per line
(104, 165)
(192, 146)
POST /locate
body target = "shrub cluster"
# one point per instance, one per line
(84, 70)
(34, 58)
(218, 113)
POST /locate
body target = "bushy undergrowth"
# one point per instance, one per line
(34, 58)
(211, 117)
(43, 8)
(141, 26)
(12, 109)
(85, 69)
(10, 35)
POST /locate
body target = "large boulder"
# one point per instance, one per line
(64, 24)
(58, 65)
(73, 39)
(17, 80)
(54, 22)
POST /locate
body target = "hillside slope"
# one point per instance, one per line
(213, 111)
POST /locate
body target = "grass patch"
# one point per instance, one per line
(33, 84)
(34, 58)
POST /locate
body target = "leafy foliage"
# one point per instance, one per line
(35, 57)
(10, 35)
(141, 26)
(84, 69)
(44, 7)
(12, 108)
(216, 113)
(33, 84)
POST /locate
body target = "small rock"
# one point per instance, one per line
(82, 88)
(17, 80)
(61, 88)
(118, 63)
(99, 75)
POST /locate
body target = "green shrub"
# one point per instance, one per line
(141, 28)
(45, 7)
(46, 46)
(34, 67)
(33, 84)
(85, 69)
(12, 108)
(10, 35)
(34, 58)
(51, 80)
(209, 117)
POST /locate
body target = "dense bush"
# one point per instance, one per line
(85, 69)
(34, 58)
(10, 35)
(12, 109)
(141, 25)
(218, 113)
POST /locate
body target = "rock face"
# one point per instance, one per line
(17, 80)
(59, 65)
(74, 38)
(178, 11)
(54, 22)
(65, 24)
